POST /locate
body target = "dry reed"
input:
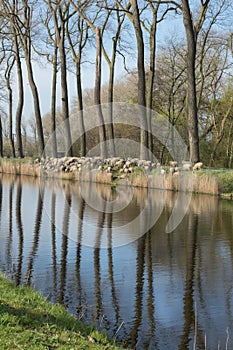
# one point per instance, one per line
(186, 181)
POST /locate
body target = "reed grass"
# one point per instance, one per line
(204, 181)
(138, 180)
(19, 166)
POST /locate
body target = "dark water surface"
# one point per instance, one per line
(159, 291)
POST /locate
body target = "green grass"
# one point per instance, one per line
(24, 160)
(225, 180)
(28, 321)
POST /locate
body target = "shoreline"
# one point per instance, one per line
(28, 320)
(129, 172)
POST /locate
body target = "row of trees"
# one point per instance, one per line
(187, 79)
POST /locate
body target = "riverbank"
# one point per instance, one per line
(28, 321)
(130, 172)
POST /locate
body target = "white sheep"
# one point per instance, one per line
(173, 163)
(198, 166)
(187, 166)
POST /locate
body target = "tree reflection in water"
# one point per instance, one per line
(9, 239)
(188, 305)
(80, 299)
(98, 293)
(146, 293)
(37, 226)
(53, 237)
(64, 248)
(20, 232)
(111, 271)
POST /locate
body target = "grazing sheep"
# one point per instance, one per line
(187, 166)
(198, 166)
(173, 163)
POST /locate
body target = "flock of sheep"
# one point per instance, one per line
(187, 166)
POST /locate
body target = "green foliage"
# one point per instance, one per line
(28, 321)
(225, 180)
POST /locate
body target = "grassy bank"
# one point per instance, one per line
(28, 321)
(209, 181)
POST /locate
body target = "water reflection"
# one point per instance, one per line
(140, 263)
(20, 232)
(9, 239)
(162, 291)
(64, 247)
(80, 299)
(38, 220)
(53, 239)
(97, 257)
(189, 326)
(111, 273)
(151, 340)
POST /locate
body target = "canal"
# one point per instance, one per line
(107, 256)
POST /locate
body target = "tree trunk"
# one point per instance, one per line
(11, 138)
(151, 75)
(191, 78)
(111, 64)
(36, 105)
(229, 149)
(80, 107)
(53, 105)
(1, 142)
(111, 142)
(141, 81)
(20, 104)
(97, 96)
(8, 76)
(65, 100)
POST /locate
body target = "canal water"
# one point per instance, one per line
(95, 250)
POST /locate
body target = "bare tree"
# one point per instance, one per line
(81, 10)
(7, 58)
(53, 60)
(22, 22)
(20, 17)
(8, 73)
(192, 29)
(53, 100)
(77, 37)
(111, 61)
(152, 31)
(134, 17)
(19, 110)
(60, 14)
(10, 41)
